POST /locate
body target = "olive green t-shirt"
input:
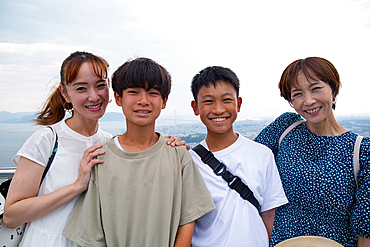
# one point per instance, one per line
(139, 199)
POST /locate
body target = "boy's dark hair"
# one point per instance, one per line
(142, 73)
(214, 75)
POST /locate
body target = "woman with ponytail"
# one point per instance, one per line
(84, 91)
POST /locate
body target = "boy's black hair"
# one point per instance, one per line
(141, 73)
(214, 75)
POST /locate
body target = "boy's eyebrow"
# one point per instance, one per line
(227, 93)
(207, 95)
(210, 95)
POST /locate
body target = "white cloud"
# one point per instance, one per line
(256, 39)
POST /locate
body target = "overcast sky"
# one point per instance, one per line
(256, 39)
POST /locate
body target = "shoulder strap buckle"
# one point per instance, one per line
(234, 182)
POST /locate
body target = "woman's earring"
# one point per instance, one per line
(334, 103)
(68, 107)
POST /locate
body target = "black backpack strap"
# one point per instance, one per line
(219, 169)
(51, 158)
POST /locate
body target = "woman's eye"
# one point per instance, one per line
(80, 88)
(102, 85)
(296, 95)
(316, 88)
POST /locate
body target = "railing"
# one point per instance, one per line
(6, 173)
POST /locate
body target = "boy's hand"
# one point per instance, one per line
(173, 141)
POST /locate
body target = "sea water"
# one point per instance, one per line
(13, 135)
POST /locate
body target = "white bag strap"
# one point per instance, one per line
(356, 157)
(295, 124)
(356, 150)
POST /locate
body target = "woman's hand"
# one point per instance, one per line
(173, 141)
(87, 162)
(22, 205)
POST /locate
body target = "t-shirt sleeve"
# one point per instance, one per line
(196, 199)
(274, 195)
(360, 219)
(84, 226)
(37, 147)
(270, 135)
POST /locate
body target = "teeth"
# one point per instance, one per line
(219, 119)
(94, 107)
(142, 111)
(313, 110)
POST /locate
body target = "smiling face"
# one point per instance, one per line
(218, 107)
(141, 107)
(88, 94)
(312, 99)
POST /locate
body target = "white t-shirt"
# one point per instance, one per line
(46, 231)
(235, 221)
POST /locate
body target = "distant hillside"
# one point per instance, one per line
(18, 117)
(249, 128)
(26, 117)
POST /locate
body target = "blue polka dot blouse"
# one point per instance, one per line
(318, 178)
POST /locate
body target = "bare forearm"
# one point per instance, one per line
(268, 219)
(36, 207)
(22, 205)
(184, 235)
(363, 242)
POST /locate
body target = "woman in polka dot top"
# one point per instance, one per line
(315, 161)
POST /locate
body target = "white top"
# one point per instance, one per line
(235, 221)
(46, 231)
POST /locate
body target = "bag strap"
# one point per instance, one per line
(356, 151)
(233, 181)
(51, 158)
(4, 186)
(356, 158)
(295, 124)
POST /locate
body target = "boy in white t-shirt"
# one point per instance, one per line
(146, 193)
(235, 221)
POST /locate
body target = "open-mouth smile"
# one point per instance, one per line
(219, 119)
(145, 112)
(312, 111)
(94, 107)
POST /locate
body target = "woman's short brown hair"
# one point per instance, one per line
(314, 68)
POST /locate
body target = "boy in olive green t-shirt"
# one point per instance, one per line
(145, 193)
